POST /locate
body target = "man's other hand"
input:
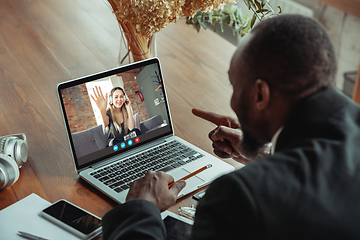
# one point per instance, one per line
(226, 137)
(154, 188)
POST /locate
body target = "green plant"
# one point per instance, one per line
(232, 16)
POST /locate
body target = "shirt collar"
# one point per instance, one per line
(274, 140)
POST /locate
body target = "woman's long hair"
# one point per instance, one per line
(122, 110)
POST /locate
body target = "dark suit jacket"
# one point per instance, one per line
(310, 187)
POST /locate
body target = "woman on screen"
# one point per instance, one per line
(118, 118)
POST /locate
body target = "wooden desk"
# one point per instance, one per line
(43, 43)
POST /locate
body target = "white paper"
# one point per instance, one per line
(166, 213)
(24, 216)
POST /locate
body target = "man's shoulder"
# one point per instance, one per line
(276, 178)
(260, 178)
(289, 188)
(272, 166)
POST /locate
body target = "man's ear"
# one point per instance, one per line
(262, 94)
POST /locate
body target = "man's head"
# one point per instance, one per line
(283, 60)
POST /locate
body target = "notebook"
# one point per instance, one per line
(109, 155)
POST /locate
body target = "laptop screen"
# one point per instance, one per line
(114, 111)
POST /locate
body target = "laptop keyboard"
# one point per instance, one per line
(120, 175)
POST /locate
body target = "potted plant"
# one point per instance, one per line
(139, 20)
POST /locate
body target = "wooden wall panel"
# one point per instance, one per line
(349, 6)
(356, 92)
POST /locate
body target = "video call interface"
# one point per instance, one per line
(144, 90)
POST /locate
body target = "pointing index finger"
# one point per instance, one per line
(211, 117)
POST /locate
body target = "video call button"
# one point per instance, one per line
(122, 145)
(115, 147)
(130, 142)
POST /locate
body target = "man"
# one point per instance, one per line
(309, 187)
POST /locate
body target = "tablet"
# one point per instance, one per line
(177, 227)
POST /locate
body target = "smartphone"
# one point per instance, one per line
(73, 219)
(199, 195)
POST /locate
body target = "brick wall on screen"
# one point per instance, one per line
(131, 88)
(78, 108)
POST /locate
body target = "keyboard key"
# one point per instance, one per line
(175, 165)
(117, 184)
(165, 169)
(104, 178)
(109, 181)
(97, 176)
(124, 175)
(119, 189)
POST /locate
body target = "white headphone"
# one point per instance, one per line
(13, 154)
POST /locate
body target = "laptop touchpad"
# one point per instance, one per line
(191, 183)
(178, 173)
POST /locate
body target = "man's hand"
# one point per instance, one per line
(226, 137)
(217, 119)
(154, 188)
(227, 142)
(222, 137)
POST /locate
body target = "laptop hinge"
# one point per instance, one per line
(129, 153)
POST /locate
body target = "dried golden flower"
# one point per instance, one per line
(190, 6)
(150, 16)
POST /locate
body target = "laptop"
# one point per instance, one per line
(111, 163)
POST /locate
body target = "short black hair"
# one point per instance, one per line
(292, 53)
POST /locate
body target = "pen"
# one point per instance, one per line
(30, 236)
(192, 174)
